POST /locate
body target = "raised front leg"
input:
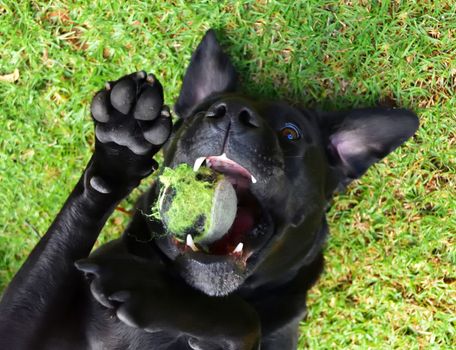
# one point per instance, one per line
(131, 125)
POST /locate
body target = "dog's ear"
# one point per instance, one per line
(357, 139)
(210, 72)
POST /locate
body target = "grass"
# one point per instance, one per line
(390, 276)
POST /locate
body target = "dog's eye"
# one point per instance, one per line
(291, 132)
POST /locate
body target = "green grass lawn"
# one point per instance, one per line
(390, 279)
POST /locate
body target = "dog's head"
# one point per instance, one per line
(284, 162)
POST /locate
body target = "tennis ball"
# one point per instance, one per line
(201, 203)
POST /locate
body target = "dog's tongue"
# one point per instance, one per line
(243, 224)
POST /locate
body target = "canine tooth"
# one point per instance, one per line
(223, 156)
(198, 162)
(253, 179)
(239, 248)
(191, 244)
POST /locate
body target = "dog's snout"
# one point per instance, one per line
(237, 112)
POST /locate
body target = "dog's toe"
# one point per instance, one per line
(100, 106)
(150, 100)
(124, 92)
(159, 130)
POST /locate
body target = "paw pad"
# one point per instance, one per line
(99, 185)
(130, 113)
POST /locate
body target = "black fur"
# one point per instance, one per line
(144, 292)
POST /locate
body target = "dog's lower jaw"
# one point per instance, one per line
(213, 277)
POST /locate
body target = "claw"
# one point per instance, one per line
(87, 267)
(120, 296)
(165, 112)
(150, 78)
(99, 295)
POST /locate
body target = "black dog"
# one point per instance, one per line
(147, 290)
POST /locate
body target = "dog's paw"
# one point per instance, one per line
(131, 125)
(134, 288)
(130, 113)
(109, 276)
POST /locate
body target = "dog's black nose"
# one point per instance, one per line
(237, 111)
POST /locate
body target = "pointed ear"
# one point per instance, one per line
(361, 137)
(210, 72)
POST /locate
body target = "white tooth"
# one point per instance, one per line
(239, 248)
(253, 179)
(191, 244)
(198, 162)
(223, 156)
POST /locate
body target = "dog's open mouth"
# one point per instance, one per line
(245, 235)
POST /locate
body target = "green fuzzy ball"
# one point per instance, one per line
(201, 203)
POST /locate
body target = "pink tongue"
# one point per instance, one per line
(243, 224)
